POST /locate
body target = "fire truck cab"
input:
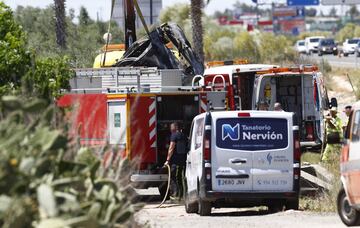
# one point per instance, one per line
(300, 90)
(238, 76)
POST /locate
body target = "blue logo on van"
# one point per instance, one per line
(252, 134)
(233, 133)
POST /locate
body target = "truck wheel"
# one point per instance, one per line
(348, 215)
(162, 191)
(204, 208)
(346, 54)
(275, 207)
(292, 204)
(320, 54)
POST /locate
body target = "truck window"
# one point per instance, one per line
(199, 130)
(356, 128)
(252, 134)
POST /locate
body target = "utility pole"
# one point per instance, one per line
(130, 28)
(151, 12)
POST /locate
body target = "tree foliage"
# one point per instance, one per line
(48, 77)
(14, 57)
(84, 39)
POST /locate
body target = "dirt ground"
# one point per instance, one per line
(173, 215)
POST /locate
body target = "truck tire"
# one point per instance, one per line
(348, 215)
(346, 54)
(320, 53)
(292, 204)
(204, 208)
(162, 190)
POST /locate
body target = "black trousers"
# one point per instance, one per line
(177, 183)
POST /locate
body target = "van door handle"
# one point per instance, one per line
(238, 161)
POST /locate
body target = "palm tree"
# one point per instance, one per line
(197, 28)
(60, 23)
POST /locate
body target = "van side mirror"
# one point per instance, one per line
(333, 102)
(348, 127)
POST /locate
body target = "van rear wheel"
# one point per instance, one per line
(204, 208)
(348, 214)
(275, 207)
(292, 204)
(190, 207)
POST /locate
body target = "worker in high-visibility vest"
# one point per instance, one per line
(333, 129)
(267, 93)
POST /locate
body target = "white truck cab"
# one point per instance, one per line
(241, 159)
(312, 43)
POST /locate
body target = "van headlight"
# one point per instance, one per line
(334, 48)
(324, 49)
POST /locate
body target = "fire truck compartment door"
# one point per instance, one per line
(216, 100)
(117, 122)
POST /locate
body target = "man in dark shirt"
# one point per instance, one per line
(176, 158)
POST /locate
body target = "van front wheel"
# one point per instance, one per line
(204, 208)
(348, 214)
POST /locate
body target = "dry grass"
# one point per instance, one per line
(323, 201)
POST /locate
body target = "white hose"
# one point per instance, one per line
(168, 186)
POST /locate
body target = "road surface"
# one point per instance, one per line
(349, 62)
(174, 215)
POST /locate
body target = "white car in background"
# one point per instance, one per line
(300, 46)
(312, 43)
(349, 46)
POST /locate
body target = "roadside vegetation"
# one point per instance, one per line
(324, 201)
(47, 179)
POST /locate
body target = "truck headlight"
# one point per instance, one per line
(324, 49)
(334, 48)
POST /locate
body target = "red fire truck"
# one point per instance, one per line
(131, 110)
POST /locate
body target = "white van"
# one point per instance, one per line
(300, 90)
(312, 43)
(242, 159)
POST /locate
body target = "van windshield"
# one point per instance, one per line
(314, 40)
(354, 41)
(252, 134)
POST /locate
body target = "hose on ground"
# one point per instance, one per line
(168, 186)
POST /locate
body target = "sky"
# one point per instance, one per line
(103, 7)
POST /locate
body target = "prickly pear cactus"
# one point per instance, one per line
(39, 187)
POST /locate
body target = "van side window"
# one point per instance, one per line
(199, 130)
(356, 128)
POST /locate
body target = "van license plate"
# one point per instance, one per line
(222, 182)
